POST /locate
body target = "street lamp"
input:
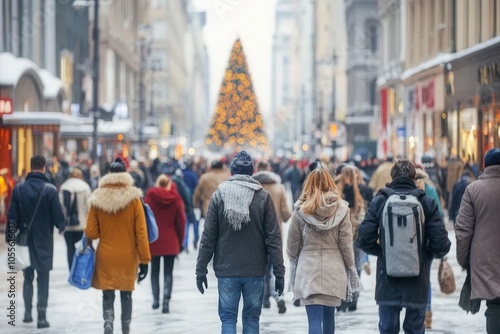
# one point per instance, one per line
(78, 4)
(144, 32)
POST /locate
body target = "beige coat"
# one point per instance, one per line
(477, 230)
(321, 247)
(272, 183)
(207, 185)
(117, 219)
(381, 177)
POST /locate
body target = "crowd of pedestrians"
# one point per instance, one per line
(336, 217)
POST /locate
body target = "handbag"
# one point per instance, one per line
(82, 268)
(446, 277)
(22, 250)
(465, 302)
(150, 222)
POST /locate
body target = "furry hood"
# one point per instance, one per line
(116, 191)
(332, 211)
(266, 177)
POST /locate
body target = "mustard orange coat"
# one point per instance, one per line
(116, 218)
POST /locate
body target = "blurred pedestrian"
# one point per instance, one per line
(208, 184)
(457, 193)
(35, 206)
(423, 182)
(271, 182)
(168, 209)
(477, 229)
(191, 221)
(94, 177)
(117, 219)
(319, 247)
(74, 197)
(294, 176)
(7, 184)
(382, 175)
(241, 234)
(394, 293)
(348, 186)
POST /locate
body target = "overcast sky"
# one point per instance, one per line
(253, 22)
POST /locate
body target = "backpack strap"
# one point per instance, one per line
(387, 192)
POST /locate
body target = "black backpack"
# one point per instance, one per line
(71, 209)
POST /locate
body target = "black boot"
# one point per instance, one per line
(165, 308)
(156, 303)
(42, 320)
(108, 310)
(27, 315)
(126, 326)
(109, 317)
(126, 300)
(167, 290)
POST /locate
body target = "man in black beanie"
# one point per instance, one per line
(238, 212)
(477, 229)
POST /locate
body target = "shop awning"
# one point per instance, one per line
(39, 118)
(104, 129)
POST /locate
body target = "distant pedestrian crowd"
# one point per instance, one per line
(339, 213)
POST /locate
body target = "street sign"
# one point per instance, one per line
(401, 131)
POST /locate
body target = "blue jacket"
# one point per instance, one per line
(412, 291)
(49, 215)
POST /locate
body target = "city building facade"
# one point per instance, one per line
(363, 53)
(33, 100)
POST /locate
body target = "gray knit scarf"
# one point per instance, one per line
(237, 193)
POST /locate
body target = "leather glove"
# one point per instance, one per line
(143, 271)
(279, 284)
(200, 280)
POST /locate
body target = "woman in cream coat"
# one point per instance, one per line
(321, 253)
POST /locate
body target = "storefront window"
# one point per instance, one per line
(453, 133)
(468, 135)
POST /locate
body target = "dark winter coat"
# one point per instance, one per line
(405, 292)
(48, 216)
(190, 178)
(245, 252)
(186, 196)
(456, 195)
(477, 231)
(168, 209)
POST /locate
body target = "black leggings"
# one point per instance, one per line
(71, 238)
(168, 268)
(108, 301)
(493, 316)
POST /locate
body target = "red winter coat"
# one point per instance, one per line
(168, 209)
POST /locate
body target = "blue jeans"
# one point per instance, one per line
(429, 295)
(230, 291)
(196, 229)
(389, 320)
(321, 319)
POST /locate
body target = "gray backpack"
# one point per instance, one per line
(402, 231)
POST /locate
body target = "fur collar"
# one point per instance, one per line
(116, 191)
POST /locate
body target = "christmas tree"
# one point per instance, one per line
(237, 122)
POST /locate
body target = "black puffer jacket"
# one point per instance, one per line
(242, 253)
(48, 216)
(405, 292)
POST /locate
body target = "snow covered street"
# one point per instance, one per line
(75, 311)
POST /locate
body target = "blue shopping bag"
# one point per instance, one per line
(83, 265)
(150, 222)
